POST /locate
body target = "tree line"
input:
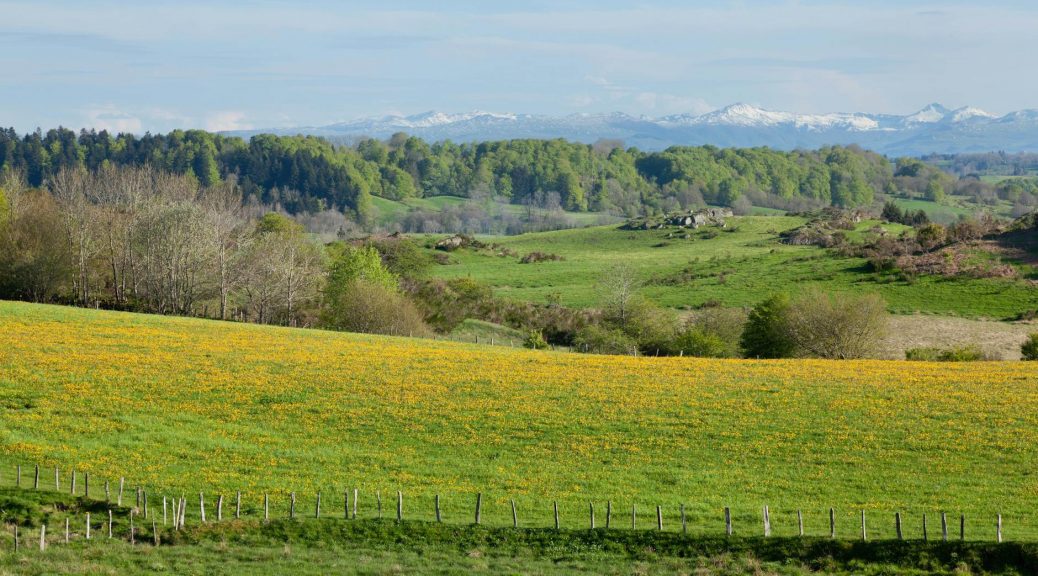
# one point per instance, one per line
(300, 174)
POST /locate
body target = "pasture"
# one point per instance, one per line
(737, 266)
(181, 405)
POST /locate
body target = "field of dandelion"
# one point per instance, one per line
(184, 405)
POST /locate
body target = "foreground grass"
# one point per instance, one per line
(182, 405)
(320, 546)
(738, 267)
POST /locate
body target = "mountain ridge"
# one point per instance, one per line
(932, 129)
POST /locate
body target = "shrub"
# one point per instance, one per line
(969, 353)
(650, 325)
(597, 339)
(373, 308)
(696, 342)
(535, 340)
(839, 326)
(765, 335)
(930, 236)
(1029, 350)
(713, 332)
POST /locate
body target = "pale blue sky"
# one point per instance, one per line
(220, 65)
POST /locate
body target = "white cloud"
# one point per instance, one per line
(113, 120)
(226, 120)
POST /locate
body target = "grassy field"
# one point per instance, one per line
(739, 267)
(183, 405)
(335, 545)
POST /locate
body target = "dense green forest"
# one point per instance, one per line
(306, 174)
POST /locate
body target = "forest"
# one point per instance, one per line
(307, 175)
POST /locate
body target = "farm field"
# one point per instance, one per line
(183, 405)
(739, 267)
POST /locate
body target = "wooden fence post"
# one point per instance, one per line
(355, 493)
(154, 533)
(201, 506)
(479, 507)
(109, 524)
(108, 492)
(998, 529)
(346, 504)
(164, 504)
(183, 512)
(926, 536)
(122, 481)
(767, 522)
(266, 507)
(864, 533)
(176, 513)
(66, 530)
(144, 499)
(659, 517)
(437, 505)
(634, 517)
(555, 505)
(727, 521)
(36, 481)
(399, 506)
(88, 525)
(962, 527)
(897, 525)
(43, 537)
(832, 523)
(133, 536)
(592, 508)
(609, 512)
(378, 503)
(237, 505)
(515, 517)
(292, 505)
(17, 542)
(800, 523)
(317, 509)
(86, 484)
(219, 507)
(72, 484)
(944, 527)
(57, 480)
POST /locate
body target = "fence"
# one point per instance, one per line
(126, 521)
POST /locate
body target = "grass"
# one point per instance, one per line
(329, 544)
(487, 332)
(738, 267)
(389, 211)
(184, 405)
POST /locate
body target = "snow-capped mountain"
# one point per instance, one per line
(934, 128)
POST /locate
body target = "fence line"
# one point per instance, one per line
(179, 506)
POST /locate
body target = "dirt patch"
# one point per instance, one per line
(997, 339)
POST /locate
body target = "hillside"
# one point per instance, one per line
(184, 405)
(736, 266)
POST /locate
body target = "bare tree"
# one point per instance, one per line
(840, 326)
(618, 290)
(223, 207)
(69, 187)
(118, 194)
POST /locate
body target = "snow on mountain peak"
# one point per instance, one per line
(968, 113)
(932, 113)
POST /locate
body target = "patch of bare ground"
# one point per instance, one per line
(999, 340)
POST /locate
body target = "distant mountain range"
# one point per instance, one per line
(935, 128)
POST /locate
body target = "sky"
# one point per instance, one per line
(218, 65)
